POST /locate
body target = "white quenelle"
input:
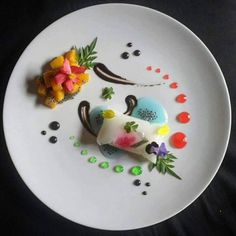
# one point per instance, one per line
(130, 133)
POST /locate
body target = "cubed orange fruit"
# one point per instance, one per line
(59, 95)
(57, 62)
(56, 87)
(72, 56)
(84, 77)
(50, 102)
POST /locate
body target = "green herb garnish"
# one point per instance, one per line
(139, 143)
(87, 55)
(107, 93)
(163, 165)
(130, 126)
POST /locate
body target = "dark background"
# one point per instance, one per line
(213, 213)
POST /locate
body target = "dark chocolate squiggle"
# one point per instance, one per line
(131, 102)
(104, 73)
(83, 111)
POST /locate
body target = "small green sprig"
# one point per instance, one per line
(87, 55)
(107, 93)
(130, 126)
(163, 165)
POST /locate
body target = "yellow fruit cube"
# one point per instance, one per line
(50, 102)
(84, 77)
(42, 90)
(59, 95)
(56, 87)
(72, 56)
(57, 62)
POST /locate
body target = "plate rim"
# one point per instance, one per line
(228, 132)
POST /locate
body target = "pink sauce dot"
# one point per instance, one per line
(181, 98)
(158, 70)
(183, 117)
(166, 77)
(178, 140)
(174, 85)
(149, 68)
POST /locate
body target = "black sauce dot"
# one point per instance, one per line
(144, 193)
(54, 125)
(43, 132)
(129, 44)
(53, 139)
(137, 53)
(148, 184)
(125, 55)
(137, 182)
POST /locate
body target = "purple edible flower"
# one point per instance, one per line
(154, 148)
(162, 150)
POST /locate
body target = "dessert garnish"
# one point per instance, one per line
(107, 93)
(66, 74)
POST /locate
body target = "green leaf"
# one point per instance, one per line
(107, 93)
(171, 156)
(93, 44)
(170, 166)
(171, 172)
(163, 167)
(87, 55)
(130, 126)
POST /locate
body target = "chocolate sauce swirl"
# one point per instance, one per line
(104, 73)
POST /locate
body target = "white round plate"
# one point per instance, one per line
(60, 176)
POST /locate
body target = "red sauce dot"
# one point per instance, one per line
(181, 98)
(174, 85)
(166, 77)
(149, 68)
(178, 140)
(183, 117)
(158, 70)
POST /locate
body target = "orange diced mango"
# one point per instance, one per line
(72, 56)
(59, 95)
(56, 87)
(50, 102)
(84, 77)
(57, 62)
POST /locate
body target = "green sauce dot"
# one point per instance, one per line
(72, 137)
(92, 159)
(77, 144)
(136, 170)
(118, 168)
(84, 152)
(104, 165)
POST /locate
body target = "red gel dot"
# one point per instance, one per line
(174, 85)
(158, 70)
(183, 117)
(181, 98)
(149, 68)
(178, 140)
(166, 77)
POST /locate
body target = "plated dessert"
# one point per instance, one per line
(142, 129)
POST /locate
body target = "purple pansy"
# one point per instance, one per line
(154, 148)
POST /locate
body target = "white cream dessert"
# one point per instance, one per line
(131, 134)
